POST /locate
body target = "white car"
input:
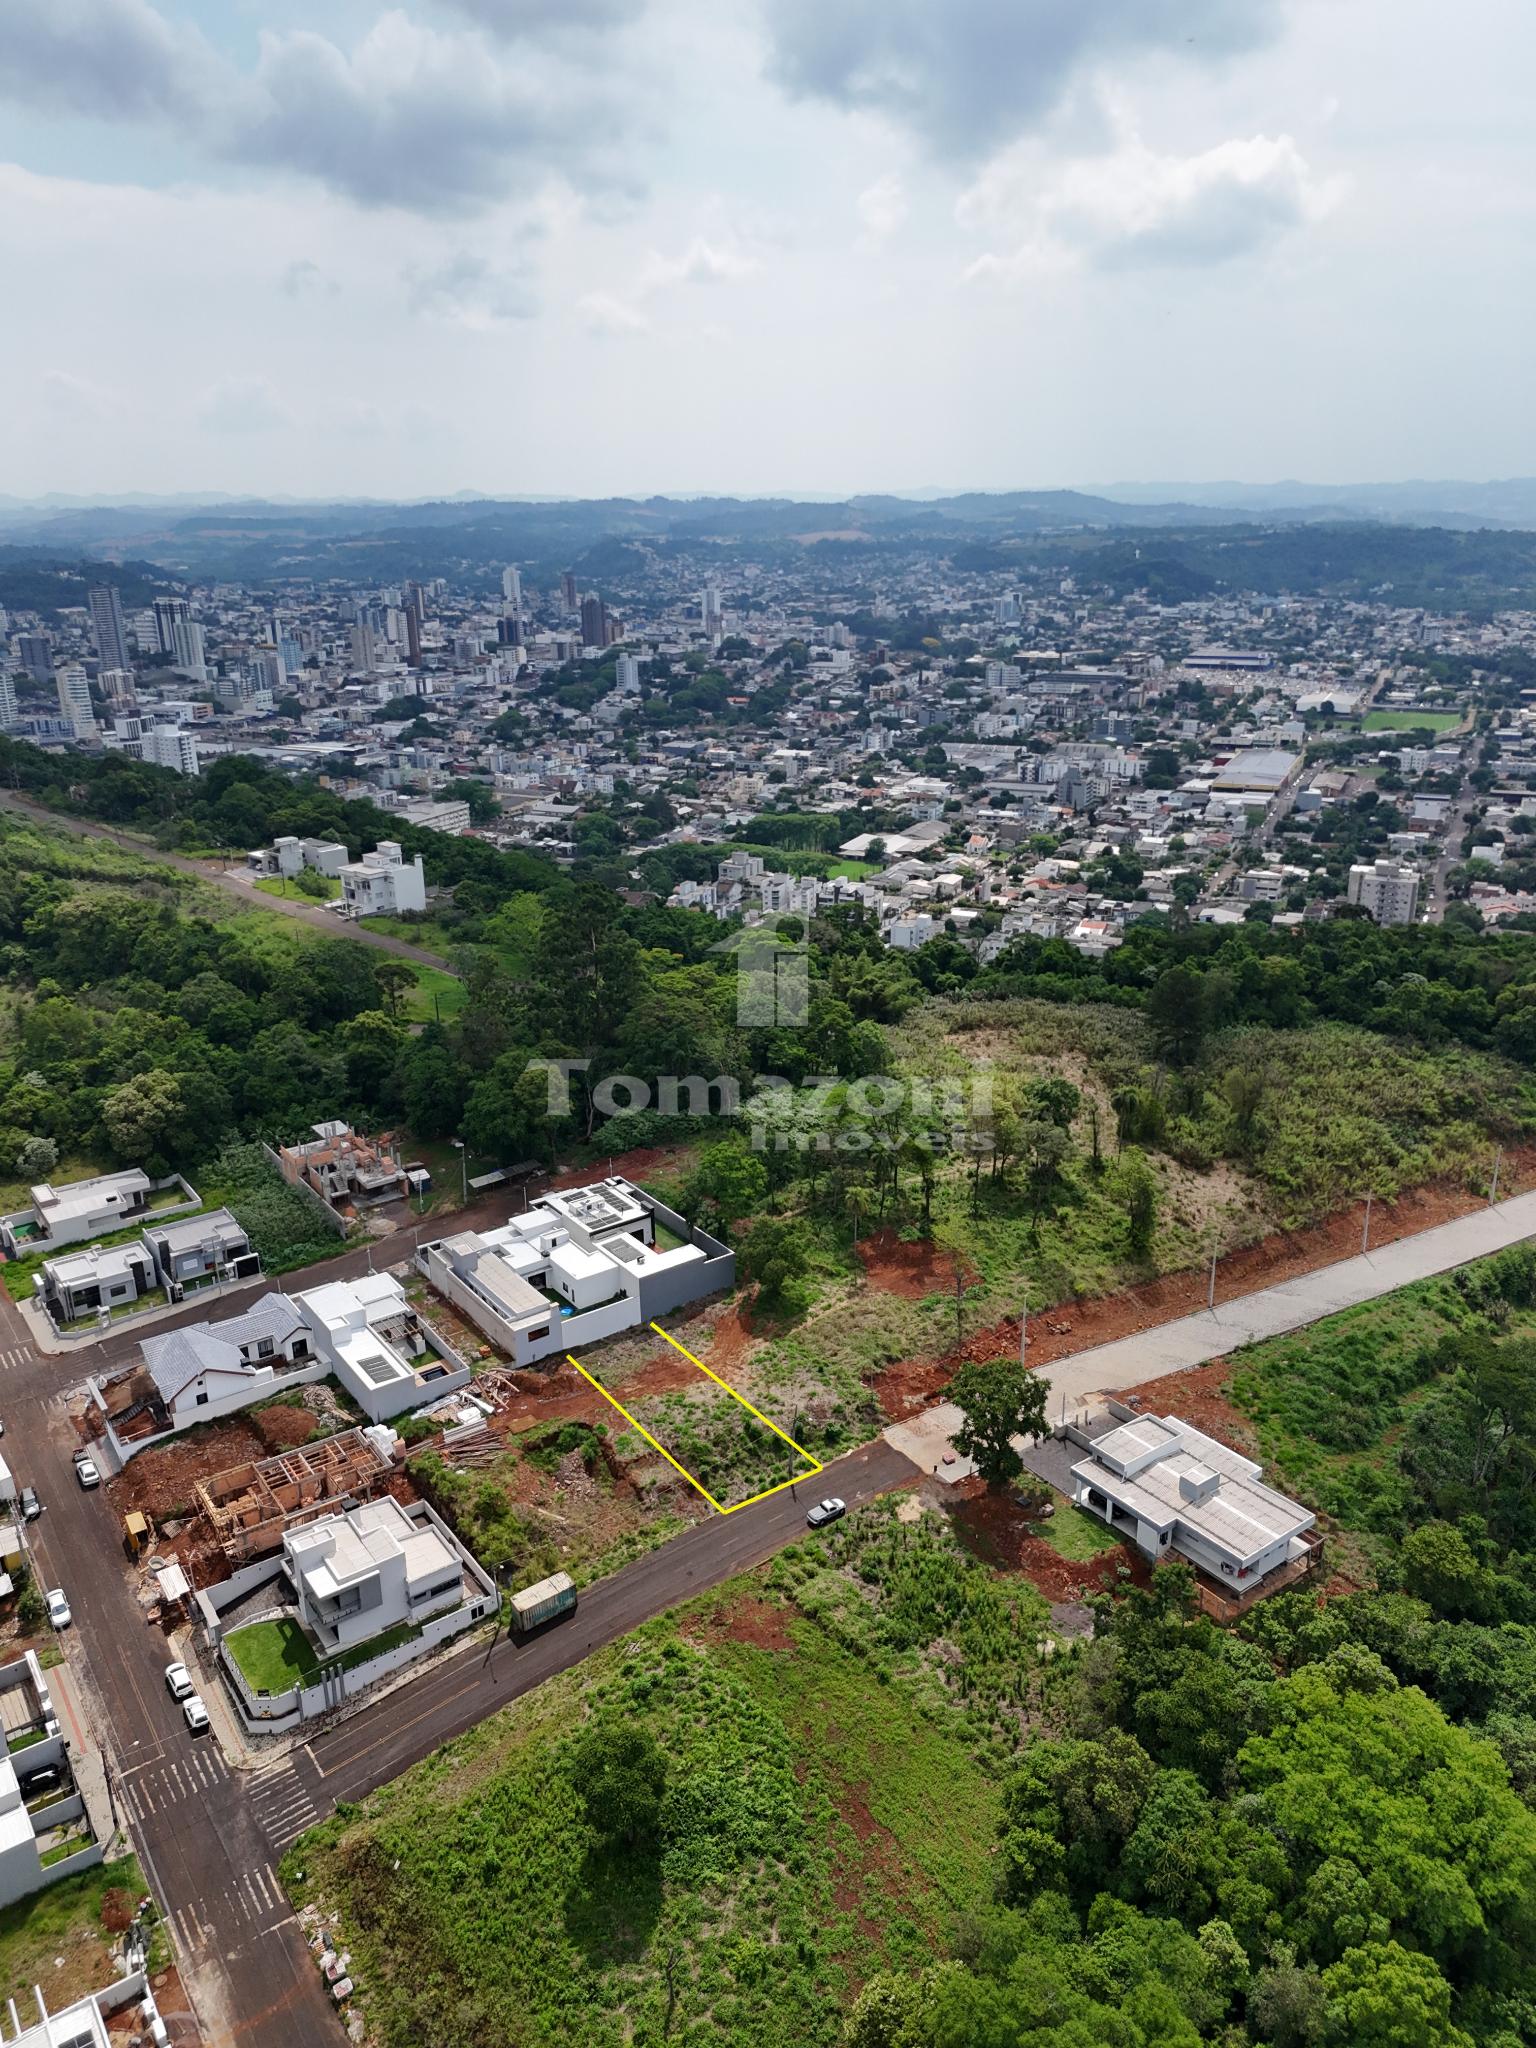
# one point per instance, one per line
(178, 1682)
(825, 1511)
(58, 1608)
(195, 1714)
(86, 1473)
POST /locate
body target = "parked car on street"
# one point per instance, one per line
(195, 1714)
(31, 1506)
(826, 1511)
(178, 1682)
(58, 1608)
(86, 1473)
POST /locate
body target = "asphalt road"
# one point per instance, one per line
(235, 883)
(210, 1837)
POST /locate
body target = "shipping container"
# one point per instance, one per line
(535, 1605)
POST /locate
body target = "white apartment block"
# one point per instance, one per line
(1388, 889)
(383, 883)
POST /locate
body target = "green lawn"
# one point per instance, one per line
(832, 1802)
(276, 1655)
(1076, 1535)
(282, 885)
(1402, 721)
(273, 1655)
(852, 870)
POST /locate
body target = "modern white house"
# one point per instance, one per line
(206, 1370)
(368, 1570)
(99, 1278)
(79, 1210)
(377, 1346)
(577, 1266)
(1176, 1492)
(212, 1245)
(289, 856)
(383, 883)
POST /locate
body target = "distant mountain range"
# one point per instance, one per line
(64, 518)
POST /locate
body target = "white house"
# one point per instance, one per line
(368, 1570)
(376, 1345)
(383, 883)
(77, 1210)
(206, 1370)
(579, 1265)
(1175, 1491)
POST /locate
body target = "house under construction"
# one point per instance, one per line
(250, 1507)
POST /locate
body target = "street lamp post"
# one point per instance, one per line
(463, 1152)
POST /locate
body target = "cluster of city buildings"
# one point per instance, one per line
(1039, 761)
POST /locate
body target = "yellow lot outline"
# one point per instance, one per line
(697, 1484)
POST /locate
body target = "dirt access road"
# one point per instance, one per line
(232, 880)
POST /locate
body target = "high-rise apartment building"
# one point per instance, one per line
(362, 646)
(1388, 889)
(7, 702)
(627, 675)
(512, 589)
(570, 597)
(75, 699)
(170, 746)
(167, 611)
(116, 685)
(187, 649)
(35, 652)
(108, 627)
(594, 621)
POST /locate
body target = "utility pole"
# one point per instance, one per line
(1365, 1235)
(959, 1308)
(1498, 1161)
(1210, 1299)
(1024, 1334)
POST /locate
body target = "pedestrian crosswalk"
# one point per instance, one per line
(18, 1354)
(252, 1899)
(175, 1781)
(284, 1806)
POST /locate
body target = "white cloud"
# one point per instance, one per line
(882, 207)
(606, 314)
(1135, 208)
(243, 405)
(968, 75)
(71, 397)
(471, 292)
(702, 262)
(407, 117)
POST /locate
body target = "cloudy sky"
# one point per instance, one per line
(592, 246)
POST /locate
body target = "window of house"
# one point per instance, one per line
(301, 1347)
(538, 1336)
(265, 1348)
(1227, 1569)
(1164, 1537)
(202, 1398)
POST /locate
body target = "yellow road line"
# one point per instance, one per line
(698, 1486)
(641, 1428)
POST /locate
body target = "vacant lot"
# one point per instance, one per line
(834, 1731)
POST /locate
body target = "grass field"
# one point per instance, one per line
(424, 932)
(59, 1938)
(833, 1789)
(282, 885)
(1402, 721)
(1077, 1536)
(437, 994)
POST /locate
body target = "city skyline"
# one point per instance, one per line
(601, 248)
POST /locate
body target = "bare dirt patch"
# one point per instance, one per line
(162, 1482)
(911, 1270)
(1200, 1396)
(1001, 1530)
(750, 1619)
(1075, 1326)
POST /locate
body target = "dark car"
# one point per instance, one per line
(31, 1506)
(826, 1511)
(49, 1779)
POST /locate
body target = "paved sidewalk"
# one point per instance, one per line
(1271, 1312)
